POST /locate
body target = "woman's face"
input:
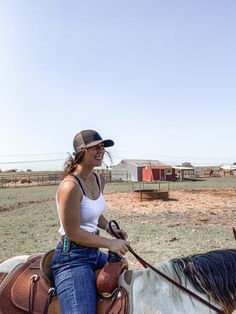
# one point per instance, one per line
(94, 155)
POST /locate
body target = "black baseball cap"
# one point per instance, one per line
(89, 138)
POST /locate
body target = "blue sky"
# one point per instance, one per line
(158, 77)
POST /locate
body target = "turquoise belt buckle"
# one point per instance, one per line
(66, 244)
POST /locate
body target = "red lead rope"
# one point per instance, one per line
(146, 264)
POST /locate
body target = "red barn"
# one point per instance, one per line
(158, 173)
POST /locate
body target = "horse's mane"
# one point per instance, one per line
(213, 273)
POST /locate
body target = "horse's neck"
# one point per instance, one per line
(151, 293)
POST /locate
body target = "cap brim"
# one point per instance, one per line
(107, 143)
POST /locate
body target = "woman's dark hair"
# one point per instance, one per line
(72, 162)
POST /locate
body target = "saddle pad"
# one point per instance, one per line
(14, 294)
(8, 275)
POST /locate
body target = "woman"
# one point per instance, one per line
(80, 206)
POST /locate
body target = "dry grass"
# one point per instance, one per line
(198, 217)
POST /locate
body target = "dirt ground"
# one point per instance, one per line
(189, 222)
(207, 206)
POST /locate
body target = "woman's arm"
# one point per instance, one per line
(103, 222)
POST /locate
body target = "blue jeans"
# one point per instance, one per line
(74, 278)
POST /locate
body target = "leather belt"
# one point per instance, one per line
(66, 242)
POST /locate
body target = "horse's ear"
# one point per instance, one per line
(234, 232)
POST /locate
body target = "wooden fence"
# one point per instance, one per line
(34, 178)
(20, 179)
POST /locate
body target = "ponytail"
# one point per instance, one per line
(72, 162)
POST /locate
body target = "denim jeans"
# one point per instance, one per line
(74, 278)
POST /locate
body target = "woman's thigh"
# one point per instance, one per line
(75, 282)
(101, 260)
(76, 290)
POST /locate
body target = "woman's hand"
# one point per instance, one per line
(118, 246)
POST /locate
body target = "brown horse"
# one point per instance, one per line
(211, 172)
(227, 171)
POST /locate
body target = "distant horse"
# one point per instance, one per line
(211, 276)
(211, 172)
(226, 171)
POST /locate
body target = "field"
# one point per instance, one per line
(198, 217)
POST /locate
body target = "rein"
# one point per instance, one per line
(146, 264)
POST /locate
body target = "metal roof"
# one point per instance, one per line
(162, 166)
(184, 168)
(142, 162)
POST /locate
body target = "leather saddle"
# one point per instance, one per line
(112, 299)
(2, 277)
(29, 288)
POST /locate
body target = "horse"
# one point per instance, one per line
(211, 172)
(210, 277)
(227, 170)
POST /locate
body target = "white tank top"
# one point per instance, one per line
(90, 211)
